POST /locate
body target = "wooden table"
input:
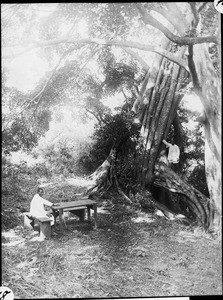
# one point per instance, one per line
(79, 205)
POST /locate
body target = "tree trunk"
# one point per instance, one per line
(210, 96)
(102, 178)
(199, 204)
(156, 109)
(105, 176)
(158, 113)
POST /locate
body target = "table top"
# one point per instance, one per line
(74, 204)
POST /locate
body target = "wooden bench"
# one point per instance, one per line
(44, 224)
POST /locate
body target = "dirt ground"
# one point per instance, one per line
(131, 254)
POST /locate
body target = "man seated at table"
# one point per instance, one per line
(37, 207)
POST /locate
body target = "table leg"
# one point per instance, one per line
(95, 216)
(61, 219)
(88, 213)
(54, 217)
(82, 212)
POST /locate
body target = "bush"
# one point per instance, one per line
(19, 183)
(41, 170)
(118, 131)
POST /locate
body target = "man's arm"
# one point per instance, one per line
(166, 143)
(46, 202)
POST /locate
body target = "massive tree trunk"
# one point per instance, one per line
(156, 109)
(208, 89)
(159, 112)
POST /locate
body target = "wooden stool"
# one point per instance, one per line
(45, 228)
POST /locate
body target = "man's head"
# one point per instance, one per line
(40, 191)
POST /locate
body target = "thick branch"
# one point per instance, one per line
(148, 19)
(158, 50)
(192, 68)
(173, 16)
(202, 6)
(145, 66)
(195, 13)
(40, 94)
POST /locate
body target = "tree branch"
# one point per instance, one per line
(40, 94)
(145, 66)
(158, 50)
(95, 115)
(148, 19)
(195, 13)
(192, 68)
(95, 50)
(202, 6)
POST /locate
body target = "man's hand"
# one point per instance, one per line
(47, 208)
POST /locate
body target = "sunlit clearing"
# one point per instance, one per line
(143, 218)
(192, 103)
(81, 182)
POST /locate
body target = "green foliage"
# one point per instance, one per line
(209, 19)
(19, 184)
(23, 122)
(118, 75)
(60, 157)
(18, 136)
(60, 160)
(192, 154)
(118, 131)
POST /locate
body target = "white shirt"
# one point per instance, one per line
(174, 153)
(37, 206)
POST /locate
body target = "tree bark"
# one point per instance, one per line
(210, 96)
(102, 177)
(199, 204)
